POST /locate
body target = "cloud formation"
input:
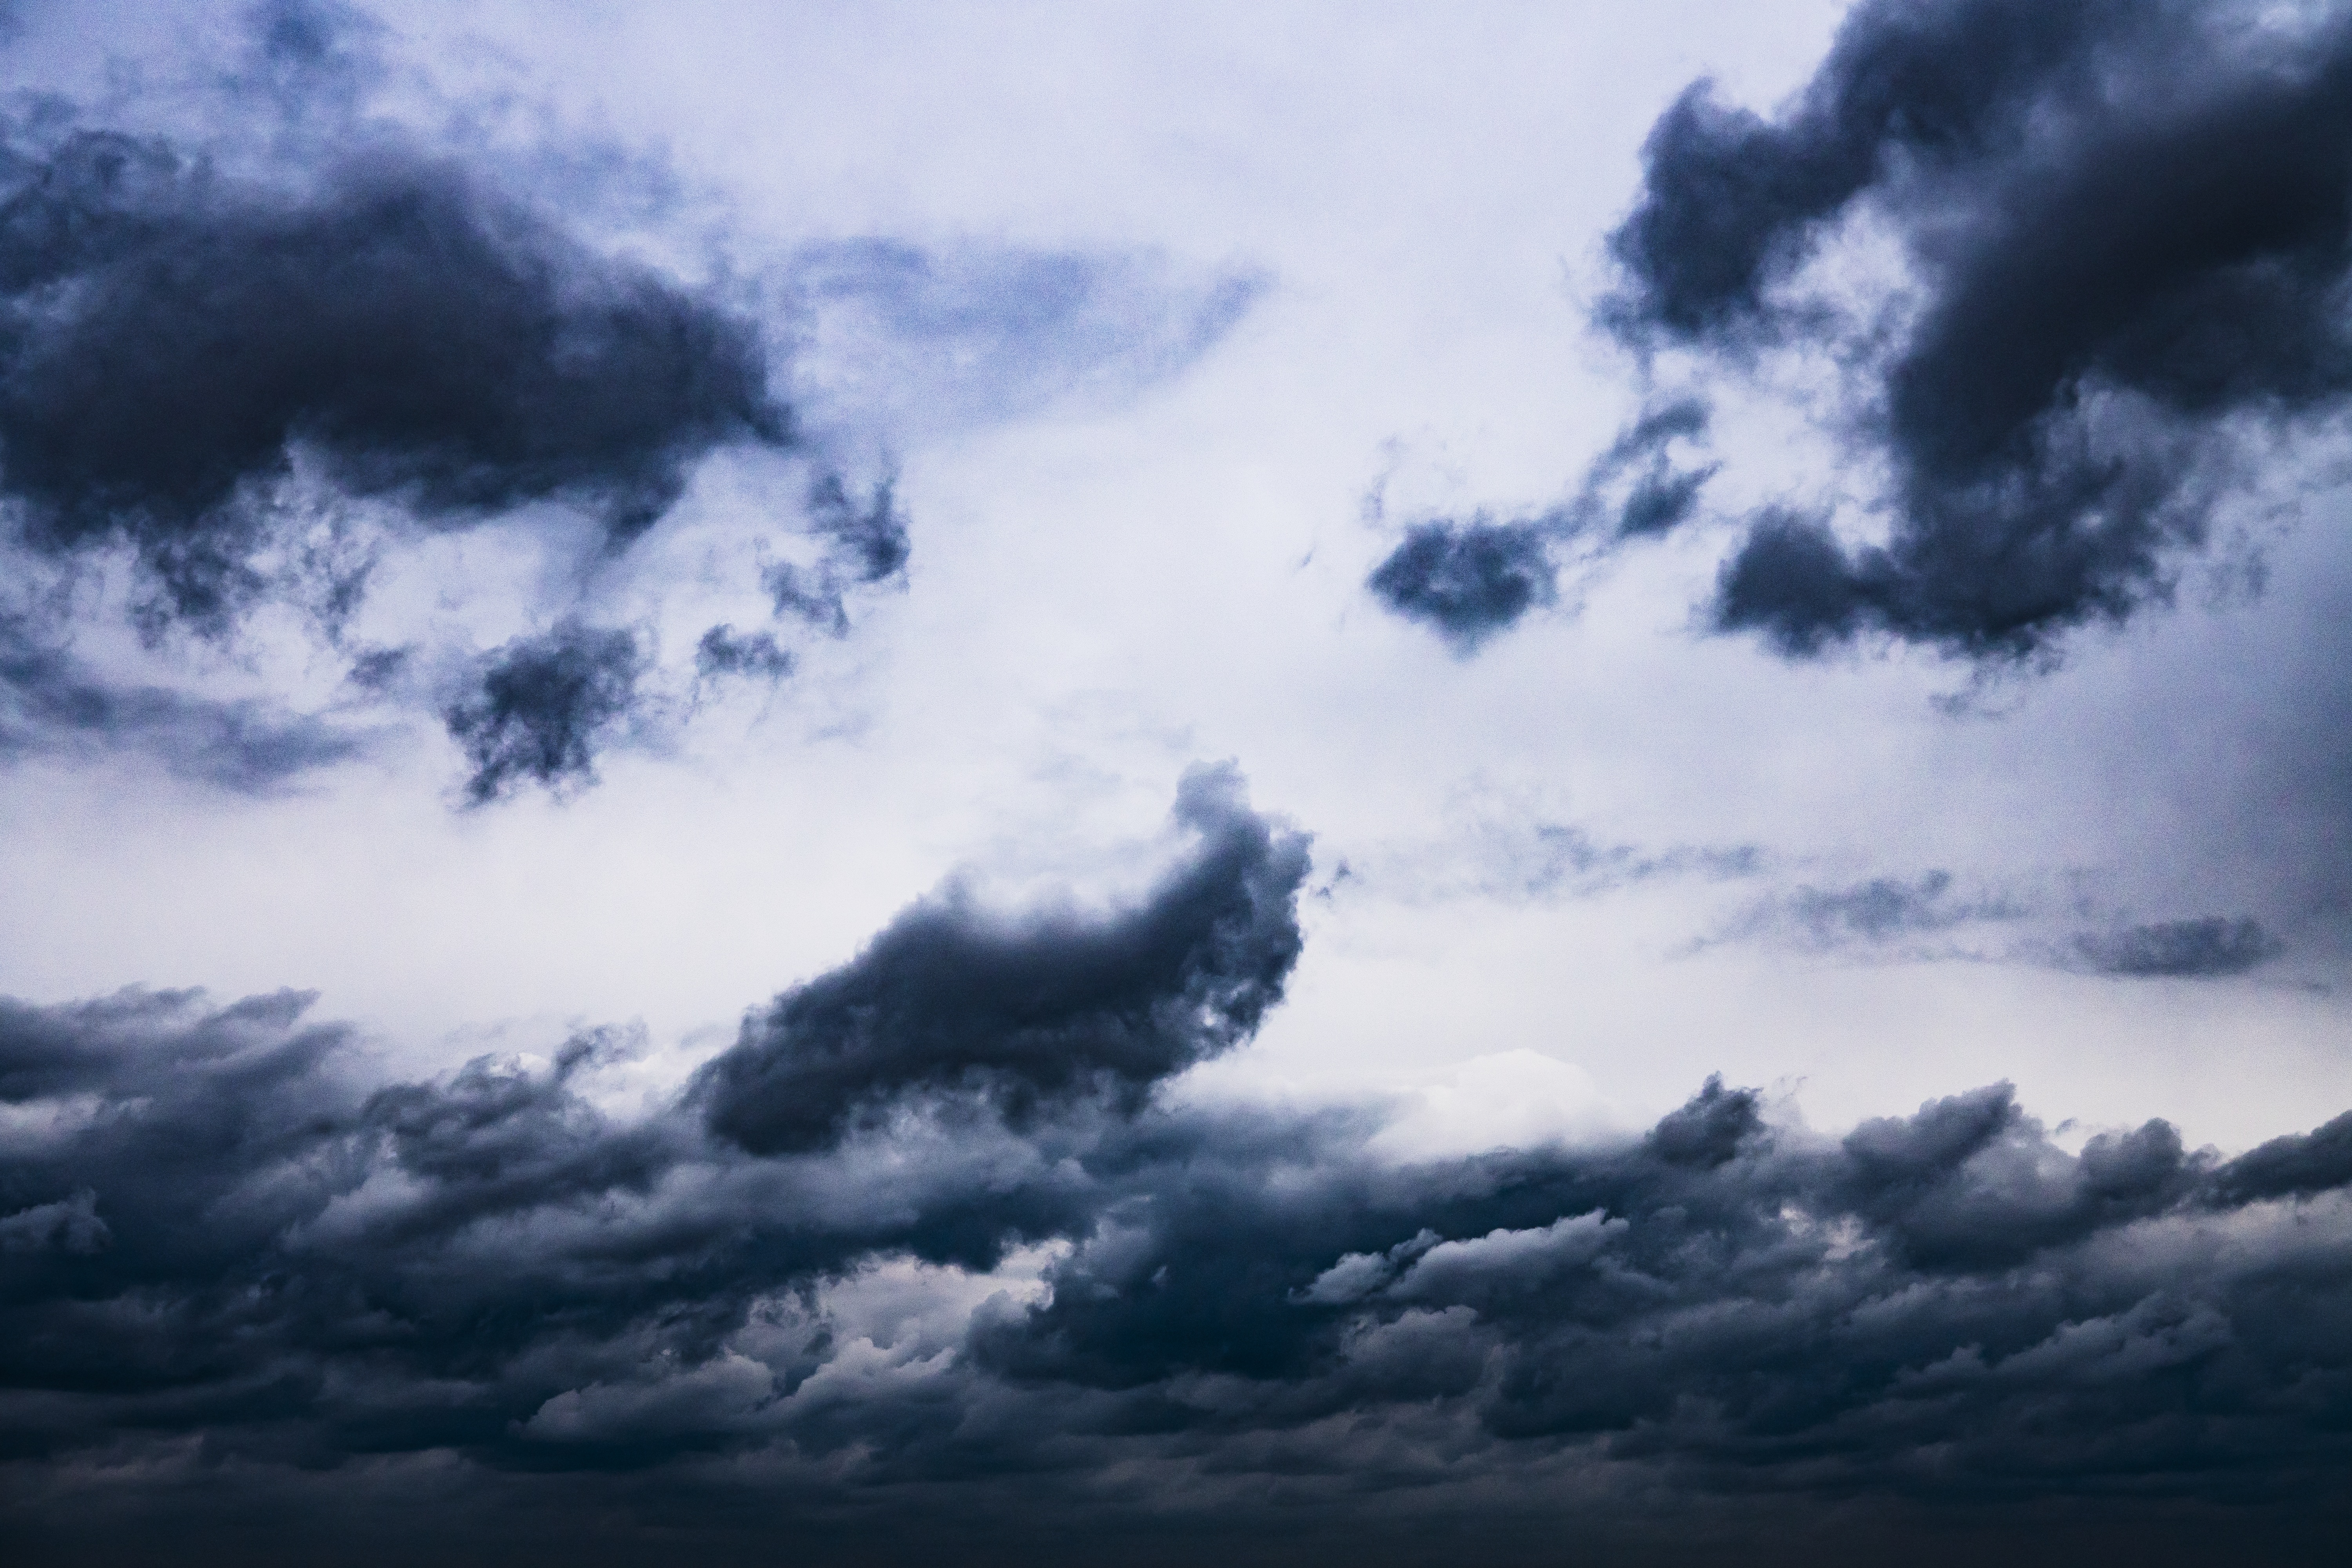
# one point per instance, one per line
(51, 704)
(930, 1223)
(2129, 237)
(2191, 949)
(942, 1004)
(175, 344)
(540, 707)
(1468, 581)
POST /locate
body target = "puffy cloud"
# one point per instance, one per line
(1468, 580)
(946, 1003)
(215, 1228)
(175, 343)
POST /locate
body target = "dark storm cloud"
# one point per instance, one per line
(213, 1227)
(541, 707)
(2180, 949)
(942, 1003)
(2130, 225)
(1471, 580)
(172, 343)
(51, 704)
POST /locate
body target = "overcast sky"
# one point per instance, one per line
(1250, 778)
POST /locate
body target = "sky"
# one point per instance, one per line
(1317, 782)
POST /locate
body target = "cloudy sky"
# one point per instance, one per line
(1318, 782)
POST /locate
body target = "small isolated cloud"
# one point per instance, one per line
(540, 707)
(1468, 581)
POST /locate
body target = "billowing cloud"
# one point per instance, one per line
(177, 343)
(929, 1223)
(2129, 238)
(944, 1003)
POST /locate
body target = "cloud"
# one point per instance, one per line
(1869, 914)
(920, 341)
(866, 543)
(927, 1229)
(177, 343)
(2180, 949)
(1469, 581)
(942, 1004)
(51, 704)
(723, 652)
(2129, 244)
(542, 706)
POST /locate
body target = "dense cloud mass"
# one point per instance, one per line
(929, 1228)
(944, 1003)
(2129, 228)
(172, 344)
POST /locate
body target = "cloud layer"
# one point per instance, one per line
(933, 1223)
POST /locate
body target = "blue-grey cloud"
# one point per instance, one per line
(942, 1004)
(1469, 581)
(173, 343)
(924, 340)
(2191, 949)
(537, 710)
(216, 1229)
(2129, 230)
(52, 704)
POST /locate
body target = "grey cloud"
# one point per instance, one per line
(421, 339)
(51, 704)
(866, 543)
(723, 652)
(2213, 945)
(217, 1230)
(2129, 227)
(541, 707)
(1873, 912)
(1469, 581)
(943, 1004)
